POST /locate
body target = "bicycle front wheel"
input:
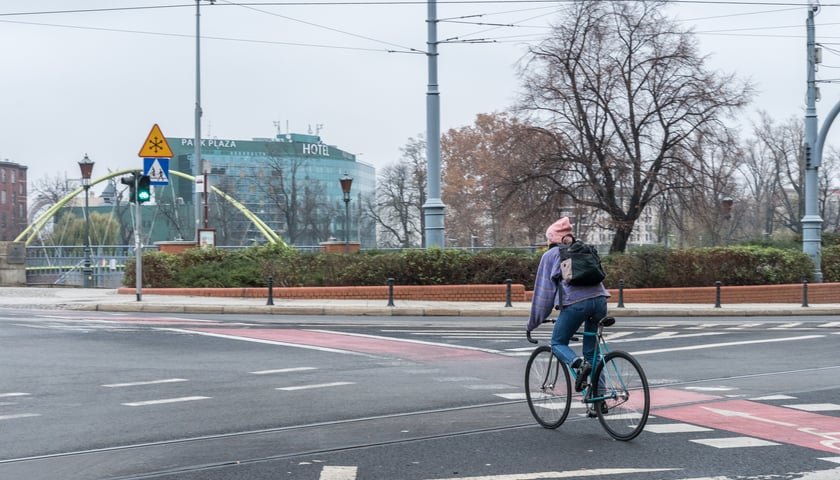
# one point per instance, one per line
(623, 412)
(548, 388)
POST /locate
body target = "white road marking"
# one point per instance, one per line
(269, 342)
(283, 370)
(816, 407)
(735, 413)
(727, 344)
(512, 396)
(710, 389)
(595, 472)
(675, 428)
(148, 382)
(786, 325)
(735, 442)
(489, 386)
(338, 473)
(831, 459)
(408, 340)
(14, 394)
(317, 385)
(164, 400)
(19, 415)
(773, 397)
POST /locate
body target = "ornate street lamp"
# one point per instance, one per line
(86, 166)
(346, 182)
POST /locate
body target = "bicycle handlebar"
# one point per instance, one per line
(604, 322)
(528, 334)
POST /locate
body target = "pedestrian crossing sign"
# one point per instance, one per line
(157, 169)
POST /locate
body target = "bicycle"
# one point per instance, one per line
(616, 391)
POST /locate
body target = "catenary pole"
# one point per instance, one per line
(434, 207)
(811, 222)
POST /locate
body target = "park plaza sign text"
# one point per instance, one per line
(306, 148)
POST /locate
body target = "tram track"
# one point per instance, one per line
(221, 450)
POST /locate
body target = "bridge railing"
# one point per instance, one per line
(64, 265)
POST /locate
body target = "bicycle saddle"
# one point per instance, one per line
(607, 322)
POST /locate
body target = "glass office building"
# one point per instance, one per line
(291, 182)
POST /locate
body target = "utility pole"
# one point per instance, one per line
(197, 167)
(812, 222)
(434, 207)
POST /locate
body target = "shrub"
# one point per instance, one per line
(639, 268)
(830, 257)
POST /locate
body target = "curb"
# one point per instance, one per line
(434, 311)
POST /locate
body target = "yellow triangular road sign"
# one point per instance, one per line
(155, 145)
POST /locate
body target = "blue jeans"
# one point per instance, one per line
(586, 312)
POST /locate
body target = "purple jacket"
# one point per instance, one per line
(545, 289)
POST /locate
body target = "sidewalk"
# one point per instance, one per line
(110, 301)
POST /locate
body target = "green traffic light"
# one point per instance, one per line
(144, 193)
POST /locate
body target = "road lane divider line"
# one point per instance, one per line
(283, 370)
(13, 394)
(164, 401)
(148, 382)
(316, 385)
(268, 342)
(726, 344)
(19, 415)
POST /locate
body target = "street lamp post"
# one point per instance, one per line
(726, 205)
(346, 182)
(86, 166)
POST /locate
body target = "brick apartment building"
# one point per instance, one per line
(13, 214)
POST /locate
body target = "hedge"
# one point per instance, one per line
(640, 268)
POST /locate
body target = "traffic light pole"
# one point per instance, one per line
(138, 247)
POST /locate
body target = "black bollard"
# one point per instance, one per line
(804, 293)
(270, 291)
(621, 293)
(507, 302)
(390, 292)
(717, 294)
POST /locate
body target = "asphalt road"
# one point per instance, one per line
(91, 395)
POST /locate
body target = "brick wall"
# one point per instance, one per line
(790, 293)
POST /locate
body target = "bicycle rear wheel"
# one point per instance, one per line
(625, 412)
(547, 388)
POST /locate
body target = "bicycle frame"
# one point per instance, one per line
(621, 401)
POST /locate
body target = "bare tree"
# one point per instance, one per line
(397, 209)
(299, 202)
(781, 145)
(619, 88)
(829, 200)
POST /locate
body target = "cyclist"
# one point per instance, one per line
(578, 304)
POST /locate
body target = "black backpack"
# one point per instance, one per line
(580, 264)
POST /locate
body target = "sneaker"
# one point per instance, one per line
(591, 413)
(582, 376)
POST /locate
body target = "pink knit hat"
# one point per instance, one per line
(558, 230)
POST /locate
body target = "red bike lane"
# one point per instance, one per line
(745, 417)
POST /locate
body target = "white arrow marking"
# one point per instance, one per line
(573, 474)
(732, 413)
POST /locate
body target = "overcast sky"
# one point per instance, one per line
(77, 80)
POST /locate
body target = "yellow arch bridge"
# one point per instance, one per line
(31, 232)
